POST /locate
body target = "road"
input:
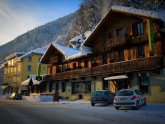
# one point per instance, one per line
(23, 112)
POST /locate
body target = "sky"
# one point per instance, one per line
(20, 16)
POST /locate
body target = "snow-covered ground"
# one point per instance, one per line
(38, 98)
(154, 113)
(150, 112)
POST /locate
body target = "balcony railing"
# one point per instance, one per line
(128, 66)
(113, 42)
(119, 41)
(112, 68)
(138, 39)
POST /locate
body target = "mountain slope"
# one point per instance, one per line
(39, 36)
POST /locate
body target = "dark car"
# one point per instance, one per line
(102, 97)
(15, 96)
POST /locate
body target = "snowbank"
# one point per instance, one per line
(4, 96)
(38, 98)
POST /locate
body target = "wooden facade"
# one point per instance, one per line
(120, 46)
(116, 54)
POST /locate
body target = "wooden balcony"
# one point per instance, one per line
(128, 66)
(79, 73)
(112, 68)
(137, 39)
(127, 39)
(113, 42)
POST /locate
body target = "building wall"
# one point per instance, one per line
(68, 90)
(156, 88)
(34, 66)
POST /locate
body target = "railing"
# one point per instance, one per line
(72, 74)
(138, 39)
(128, 66)
(112, 68)
(119, 41)
(116, 41)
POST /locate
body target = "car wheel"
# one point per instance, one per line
(92, 104)
(117, 108)
(105, 103)
(144, 102)
(137, 106)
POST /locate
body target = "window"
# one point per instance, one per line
(79, 87)
(79, 65)
(141, 52)
(139, 28)
(121, 55)
(29, 68)
(132, 53)
(28, 76)
(104, 59)
(121, 32)
(87, 87)
(112, 57)
(63, 68)
(74, 66)
(144, 82)
(105, 84)
(94, 62)
(63, 86)
(85, 63)
(39, 59)
(29, 58)
(50, 87)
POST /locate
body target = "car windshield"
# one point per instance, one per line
(125, 93)
(97, 93)
(17, 94)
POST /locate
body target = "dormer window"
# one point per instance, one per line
(121, 32)
(139, 28)
(29, 58)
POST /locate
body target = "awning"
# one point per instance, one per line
(3, 87)
(35, 82)
(116, 77)
(26, 82)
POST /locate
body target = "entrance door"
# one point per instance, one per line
(121, 84)
(105, 85)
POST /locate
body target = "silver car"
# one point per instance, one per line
(129, 98)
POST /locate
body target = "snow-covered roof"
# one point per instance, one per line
(155, 14)
(15, 55)
(27, 81)
(2, 65)
(80, 38)
(35, 51)
(66, 51)
(69, 53)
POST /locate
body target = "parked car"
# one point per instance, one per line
(15, 96)
(102, 97)
(129, 98)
